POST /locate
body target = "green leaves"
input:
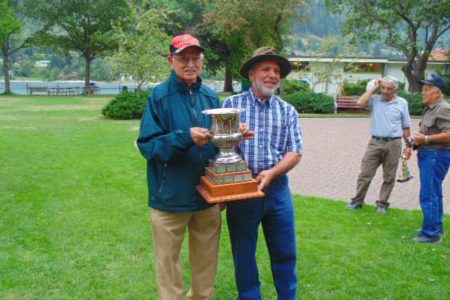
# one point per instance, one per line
(142, 45)
(9, 24)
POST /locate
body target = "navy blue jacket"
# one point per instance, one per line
(174, 163)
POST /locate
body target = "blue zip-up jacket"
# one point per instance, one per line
(174, 163)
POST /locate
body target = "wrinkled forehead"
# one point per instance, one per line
(429, 87)
(265, 63)
(387, 85)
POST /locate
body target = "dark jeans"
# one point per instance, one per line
(433, 166)
(275, 212)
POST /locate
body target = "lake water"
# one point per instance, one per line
(106, 88)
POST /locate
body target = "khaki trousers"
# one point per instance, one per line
(204, 233)
(379, 153)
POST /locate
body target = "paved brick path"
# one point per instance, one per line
(333, 149)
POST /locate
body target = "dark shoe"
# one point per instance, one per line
(425, 239)
(382, 209)
(354, 205)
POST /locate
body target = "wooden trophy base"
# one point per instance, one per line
(214, 193)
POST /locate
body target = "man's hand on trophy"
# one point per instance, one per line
(264, 178)
(246, 132)
(200, 135)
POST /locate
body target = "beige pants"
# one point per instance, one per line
(386, 154)
(204, 233)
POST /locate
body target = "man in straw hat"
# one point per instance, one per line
(433, 143)
(175, 141)
(275, 149)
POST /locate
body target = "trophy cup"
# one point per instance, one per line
(404, 175)
(227, 177)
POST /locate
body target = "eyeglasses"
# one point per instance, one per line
(185, 59)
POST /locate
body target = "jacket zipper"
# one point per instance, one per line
(194, 112)
(163, 178)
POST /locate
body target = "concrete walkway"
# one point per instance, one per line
(332, 153)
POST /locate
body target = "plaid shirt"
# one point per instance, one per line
(276, 127)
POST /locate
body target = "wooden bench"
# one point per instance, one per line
(348, 104)
(64, 91)
(37, 89)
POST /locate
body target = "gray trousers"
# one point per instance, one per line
(379, 153)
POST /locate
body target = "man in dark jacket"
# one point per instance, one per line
(174, 139)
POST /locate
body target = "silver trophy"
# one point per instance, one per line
(227, 178)
(225, 133)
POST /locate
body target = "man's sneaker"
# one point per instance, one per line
(381, 209)
(354, 205)
(425, 239)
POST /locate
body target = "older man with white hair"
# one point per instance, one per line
(389, 123)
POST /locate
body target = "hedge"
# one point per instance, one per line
(310, 102)
(415, 103)
(127, 105)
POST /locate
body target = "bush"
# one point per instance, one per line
(415, 104)
(293, 86)
(127, 105)
(310, 102)
(355, 88)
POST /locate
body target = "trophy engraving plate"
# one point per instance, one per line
(227, 178)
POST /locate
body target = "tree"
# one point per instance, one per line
(410, 26)
(247, 25)
(143, 46)
(10, 26)
(187, 17)
(84, 26)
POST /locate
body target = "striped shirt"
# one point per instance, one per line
(276, 127)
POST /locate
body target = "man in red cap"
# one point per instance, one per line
(174, 139)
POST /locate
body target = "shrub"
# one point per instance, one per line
(127, 105)
(310, 102)
(293, 86)
(355, 88)
(415, 103)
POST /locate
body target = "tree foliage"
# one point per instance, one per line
(143, 46)
(247, 25)
(410, 26)
(10, 26)
(84, 26)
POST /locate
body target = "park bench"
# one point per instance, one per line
(67, 91)
(37, 89)
(348, 104)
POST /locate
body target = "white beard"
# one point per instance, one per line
(265, 91)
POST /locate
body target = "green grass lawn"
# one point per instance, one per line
(74, 221)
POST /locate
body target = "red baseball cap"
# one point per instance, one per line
(183, 41)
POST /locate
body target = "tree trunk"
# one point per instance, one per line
(415, 72)
(228, 85)
(6, 66)
(87, 76)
